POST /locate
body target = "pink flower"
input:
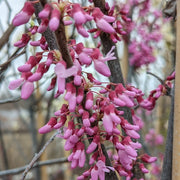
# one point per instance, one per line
(24, 15)
(93, 145)
(143, 169)
(49, 126)
(80, 95)
(62, 73)
(110, 118)
(89, 100)
(61, 122)
(43, 26)
(102, 21)
(99, 61)
(42, 68)
(148, 159)
(69, 131)
(71, 96)
(32, 62)
(27, 87)
(54, 21)
(23, 41)
(99, 169)
(84, 54)
(80, 17)
(92, 79)
(45, 13)
(85, 118)
(77, 157)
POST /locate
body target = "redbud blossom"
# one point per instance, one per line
(102, 21)
(27, 87)
(23, 41)
(54, 21)
(45, 13)
(93, 144)
(24, 15)
(99, 61)
(89, 100)
(63, 73)
(148, 159)
(43, 26)
(49, 126)
(77, 157)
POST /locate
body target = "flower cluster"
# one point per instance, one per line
(146, 35)
(96, 115)
(154, 139)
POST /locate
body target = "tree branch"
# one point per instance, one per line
(10, 100)
(5, 37)
(36, 156)
(37, 164)
(167, 163)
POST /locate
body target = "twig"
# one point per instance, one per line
(4, 39)
(158, 78)
(167, 162)
(10, 100)
(36, 156)
(37, 164)
(5, 65)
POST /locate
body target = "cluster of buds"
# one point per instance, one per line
(54, 13)
(154, 139)
(147, 34)
(99, 111)
(162, 89)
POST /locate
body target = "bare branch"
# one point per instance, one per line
(37, 156)
(5, 65)
(5, 37)
(158, 78)
(37, 164)
(10, 100)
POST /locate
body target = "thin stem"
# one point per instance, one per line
(36, 156)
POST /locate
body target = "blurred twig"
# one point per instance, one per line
(5, 37)
(36, 156)
(10, 100)
(37, 164)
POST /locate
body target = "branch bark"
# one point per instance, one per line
(167, 163)
(37, 164)
(5, 37)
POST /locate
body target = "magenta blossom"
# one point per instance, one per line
(27, 87)
(100, 169)
(62, 73)
(24, 15)
(102, 21)
(99, 61)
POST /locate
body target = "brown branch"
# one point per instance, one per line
(167, 162)
(37, 156)
(5, 37)
(43, 2)
(10, 100)
(5, 65)
(55, 42)
(37, 164)
(62, 42)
